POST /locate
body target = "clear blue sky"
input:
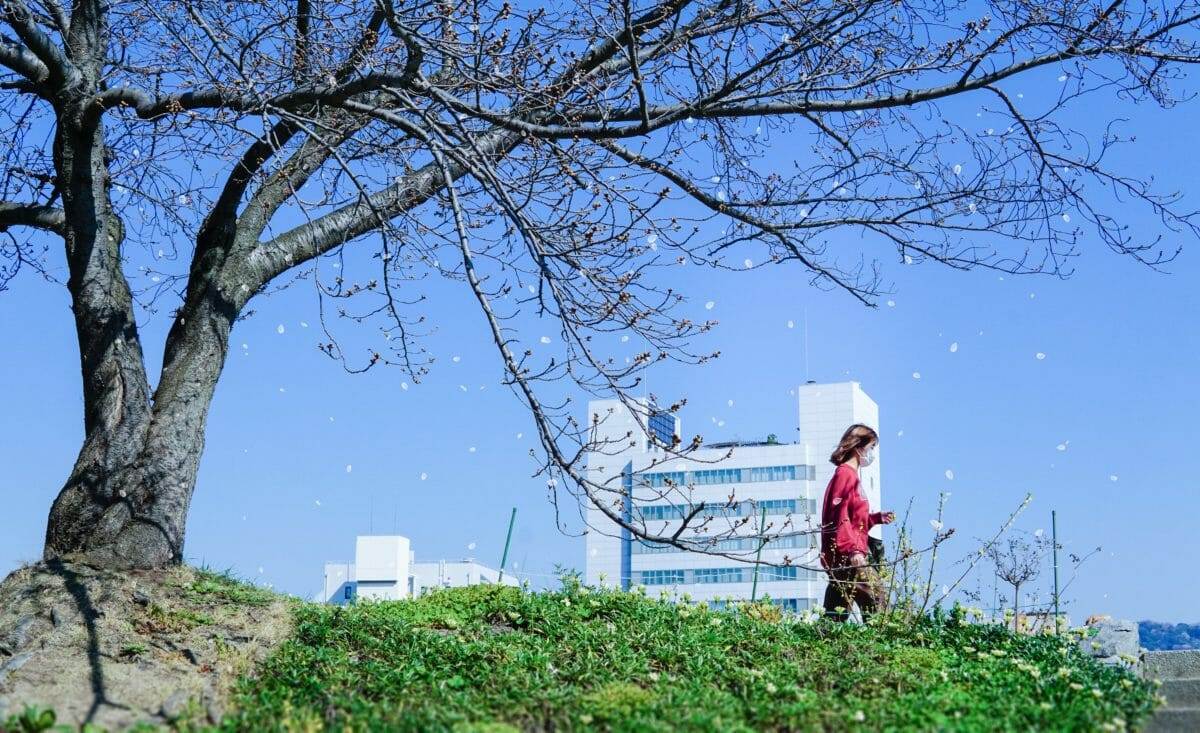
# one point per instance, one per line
(298, 451)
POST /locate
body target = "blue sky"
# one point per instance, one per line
(301, 456)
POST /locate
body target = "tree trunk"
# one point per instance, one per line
(126, 500)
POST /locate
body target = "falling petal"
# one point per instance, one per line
(791, 324)
(891, 304)
(709, 305)
(349, 468)
(424, 475)
(279, 328)
(949, 474)
(456, 359)
(471, 449)
(748, 263)
(545, 339)
(404, 386)
(1039, 356)
(954, 347)
(1112, 477)
(916, 375)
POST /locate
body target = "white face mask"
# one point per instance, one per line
(867, 458)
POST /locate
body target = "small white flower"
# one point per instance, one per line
(891, 304)
(471, 449)
(748, 263)
(916, 375)
(1066, 218)
(456, 359)
(279, 328)
(791, 324)
(545, 339)
(1039, 356)
(957, 169)
(937, 526)
(709, 305)
(949, 474)
(860, 716)
(954, 347)
(424, 475)
(1062, 78)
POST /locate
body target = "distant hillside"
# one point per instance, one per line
(1162, 637)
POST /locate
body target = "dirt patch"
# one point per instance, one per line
(118, 648)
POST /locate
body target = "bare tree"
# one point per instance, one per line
(1018, 562)
(555, 159)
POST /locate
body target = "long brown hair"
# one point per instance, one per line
(857, 436)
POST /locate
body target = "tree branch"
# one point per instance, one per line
(47, 218)
(58, 67)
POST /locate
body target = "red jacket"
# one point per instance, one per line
(845, 518)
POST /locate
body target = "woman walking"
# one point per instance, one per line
(846, 517)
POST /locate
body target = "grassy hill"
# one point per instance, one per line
(497, 659)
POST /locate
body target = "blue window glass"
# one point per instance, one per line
(662, 427)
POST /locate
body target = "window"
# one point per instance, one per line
(712, 476)
(348, 592)
(662, 427)
(658, 512)
(718, 575)
(664, 478)
(660, 577)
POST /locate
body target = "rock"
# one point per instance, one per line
(19, 636)
(141, 598)
(176, 705)
(13, 664)
(192, 656)
(57, 617)
(1114, 642)
(213, 708)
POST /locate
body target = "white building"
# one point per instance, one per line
(786, 479)
(384, 568)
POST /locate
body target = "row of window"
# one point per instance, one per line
(710, 476)
(792, 605)
(748, 508)
(734, 544)
(744, 574)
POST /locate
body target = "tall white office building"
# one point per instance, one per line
(736, 482)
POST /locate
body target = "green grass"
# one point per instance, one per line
(497, 659)
(224, 587)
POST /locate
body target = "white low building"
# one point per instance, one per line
(385, 569)
(736, 482)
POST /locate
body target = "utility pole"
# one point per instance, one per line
(1054, 539)
(758, 555)
(507, 540)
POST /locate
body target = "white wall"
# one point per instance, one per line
(382, 567)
